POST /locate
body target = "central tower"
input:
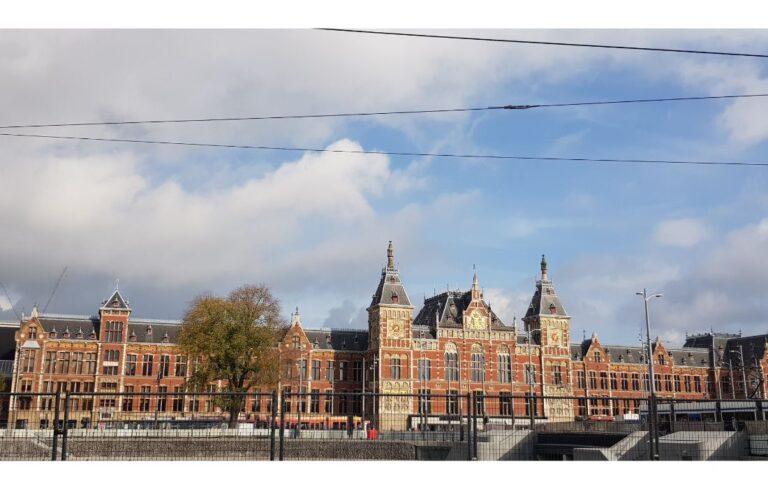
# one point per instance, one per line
(390, 322)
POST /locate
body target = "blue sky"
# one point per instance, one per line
(172, 223)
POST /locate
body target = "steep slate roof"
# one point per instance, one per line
(449, 307)
(545, 300)
(692, 357)
(390, 290)
(752, 346)
(115, 301)
(86, 324)
(338, 339)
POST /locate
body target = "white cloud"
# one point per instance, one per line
(683, 233)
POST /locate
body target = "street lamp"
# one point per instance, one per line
(651, 379)
(531, 377)
(300, 403)
(374, 368)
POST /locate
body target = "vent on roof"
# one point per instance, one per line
(621, 357)
(66, 333)
(165, 337)
(79, 334)
(93, 334)
(52, 334)
(133, 336)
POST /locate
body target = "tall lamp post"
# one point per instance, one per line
(531, 377)
(301, 399)
(654, 452)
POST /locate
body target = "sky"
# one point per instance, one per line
(174, 222)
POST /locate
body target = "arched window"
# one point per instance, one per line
(504, 364)
(478, 363)
(451, 363)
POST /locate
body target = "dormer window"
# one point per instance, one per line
(552, 309)
(395, 298)
(52, 334)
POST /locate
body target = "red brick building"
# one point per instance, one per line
(453, 346)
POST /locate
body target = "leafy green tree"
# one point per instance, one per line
(236, 339)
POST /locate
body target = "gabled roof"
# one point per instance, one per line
(116, 301)
(390, 291)
(446, 310)
(545, 300)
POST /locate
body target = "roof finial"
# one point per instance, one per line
(117, 284)
(474, 277)
(295, 318)
(544, 275)
(390, 256)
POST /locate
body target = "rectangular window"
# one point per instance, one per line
(315, 370)
(357, 371)
(478, 367)
(287, 399)
(668, 382)
(29, 361)
(425, 369)
(77, 363)
(328, 401)
(90, 363)
(165, 366)
(581, 379)
(342, 371)
(110, 362)
(394, 368)
(480, 402)
(635, 382)
(130, 364)
(49, 364)
(178, 399)
(425, 401)
(452, 367)
(342, 408)
(314, 400)
(505, 403)
(614, 381)
(557, 375)
(181, 366)
(657, 382)
(624, 382)
(581, 408)
(145, 398)
(592, 380)
(127, 400)
(162, 399)
(687, 380)
(505, 368)
(677, 383)
(303, 369)
(146, 366)
(453, 402)
(604, 380)
(114, 331)
(62, 366)
(329, 371)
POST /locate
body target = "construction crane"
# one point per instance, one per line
(55, 288)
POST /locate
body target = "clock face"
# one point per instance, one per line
(395, 328)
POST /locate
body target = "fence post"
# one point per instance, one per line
(282, 426)
(469, 427)
(65, 428)
(474, 424)
(272, 423)
(759, 407)
(56, 407)
(672, 416)
(531, 410)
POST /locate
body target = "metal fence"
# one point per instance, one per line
(373, 426)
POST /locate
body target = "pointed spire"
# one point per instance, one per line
(544, 274)
(295, 317)
(34, 311)
(390, 257)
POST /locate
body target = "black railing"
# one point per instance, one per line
(374, 426)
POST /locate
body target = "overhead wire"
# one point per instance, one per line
(390, 153)
(548, 43)
(383, 113)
